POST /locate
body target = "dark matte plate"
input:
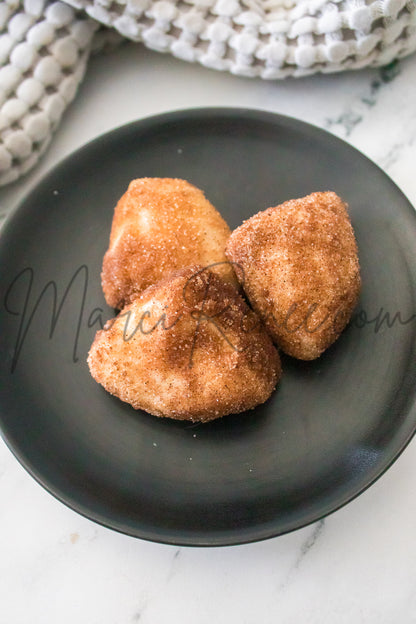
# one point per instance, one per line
(332, 427)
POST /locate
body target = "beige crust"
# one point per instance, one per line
(300, 271)
(207, 356)
(161, 225)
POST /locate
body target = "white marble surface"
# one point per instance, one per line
(356, 566)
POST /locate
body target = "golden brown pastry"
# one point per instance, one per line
(161, 225)
(300, 271)
(188, 348)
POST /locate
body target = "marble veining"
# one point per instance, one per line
(391, 158)
(174, 565)
(345, 123)
(303, 551)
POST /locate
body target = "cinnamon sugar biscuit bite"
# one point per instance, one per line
(300, 271)
(161, 225)
(187, 348)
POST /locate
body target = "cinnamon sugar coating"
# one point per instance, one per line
(187, 348)
(300, 271)
(161, 225)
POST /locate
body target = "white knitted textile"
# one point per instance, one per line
(44, 48)
(45, 45)
(267, 38)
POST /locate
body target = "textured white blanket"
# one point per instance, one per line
(45, 45)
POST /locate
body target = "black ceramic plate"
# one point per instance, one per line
(332, 427)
